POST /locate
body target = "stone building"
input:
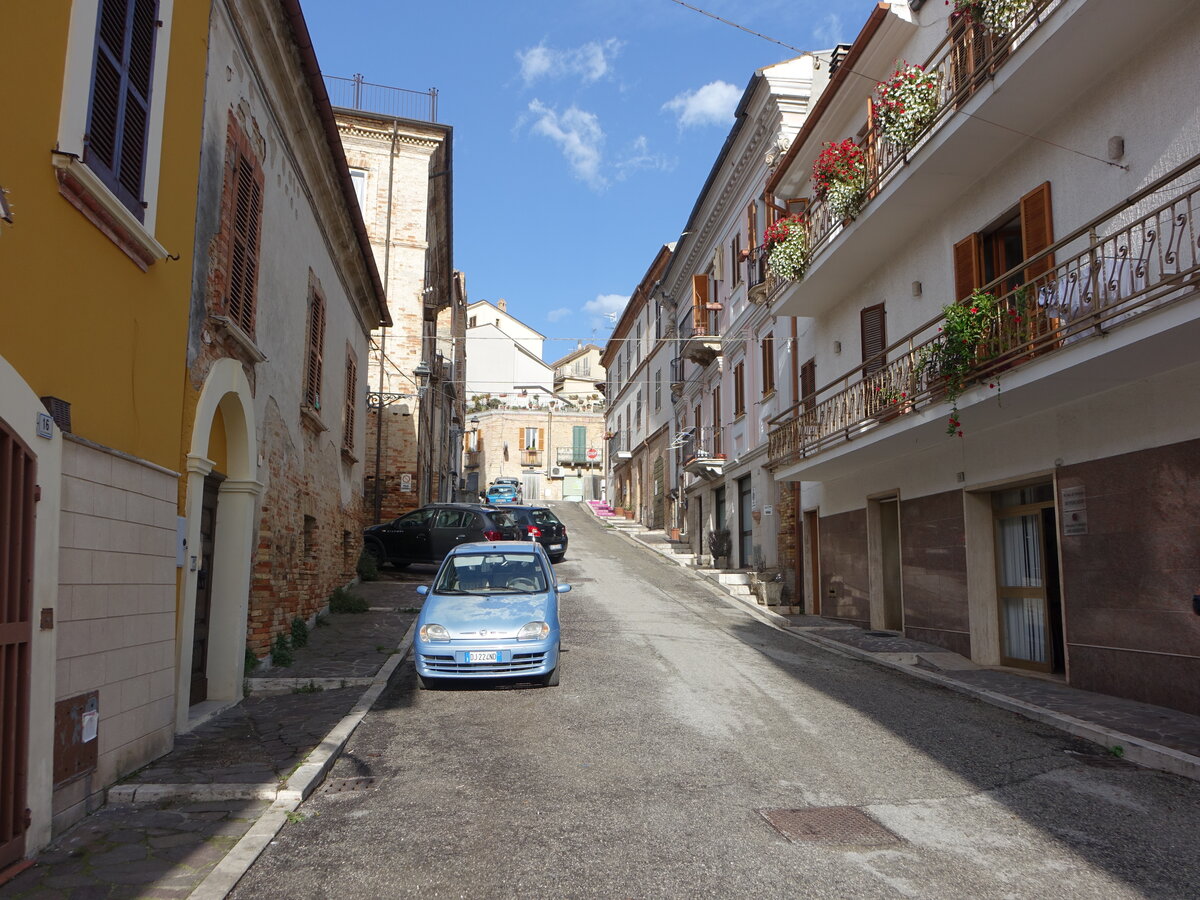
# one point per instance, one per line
(556, 452)
(401, 164)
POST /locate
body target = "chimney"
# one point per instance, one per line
(502, 305)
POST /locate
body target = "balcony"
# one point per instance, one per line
(1131, 277)
(531, 457)
(355, 93)
(701, 342)
(677, 379)
(577, 458)
(702, 454)
(471, 459)
(993, 92)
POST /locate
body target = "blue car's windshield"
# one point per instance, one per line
(491, 573)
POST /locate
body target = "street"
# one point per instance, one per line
(680, 717)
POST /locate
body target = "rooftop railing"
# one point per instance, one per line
(1135, 258)
(355, 93)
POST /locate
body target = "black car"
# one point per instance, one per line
(540, 524)
(426, 535)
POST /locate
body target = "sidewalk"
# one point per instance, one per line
(1151, 736)
(193, 821)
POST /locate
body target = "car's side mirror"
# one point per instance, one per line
(563, 588)
(423, 590)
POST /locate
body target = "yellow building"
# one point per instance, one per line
(99, 156)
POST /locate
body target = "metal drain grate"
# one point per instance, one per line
(344, 785)
(844, 825)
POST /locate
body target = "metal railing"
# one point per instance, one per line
(531, 457)
(966, 59)
(355, 93)
(702, 443)
(570, 456)
(1136, 257)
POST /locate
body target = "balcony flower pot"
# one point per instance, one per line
(905, 103)
(840, 178)
(675, 534)
(618, 510)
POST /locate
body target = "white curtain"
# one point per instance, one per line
(1020, 557)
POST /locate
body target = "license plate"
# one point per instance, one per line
(556, 546)
(483, 656)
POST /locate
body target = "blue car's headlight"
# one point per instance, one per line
(433, 632)
(534, 631)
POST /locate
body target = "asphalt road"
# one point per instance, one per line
(679, 717)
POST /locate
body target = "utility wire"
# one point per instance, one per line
(757, 34)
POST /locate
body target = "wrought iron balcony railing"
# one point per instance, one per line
(702, 443)
(1137, 257)
(576, 457)
(966, 59)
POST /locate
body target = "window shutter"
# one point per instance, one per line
(808, 380)
(768, 363)
(968, 266)
(351, 394)
(752, 226)
(1037, 229)
(119, 116)
(316, 339)
(874, 337)
(699, 299)
(541, 444)
(244, 235)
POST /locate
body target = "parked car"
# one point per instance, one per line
(543, 526)
(426, 535)
(492, 612)
(502, 493)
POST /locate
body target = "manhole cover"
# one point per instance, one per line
(342, 785)
(829, 825)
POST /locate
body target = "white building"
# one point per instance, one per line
(504, 360)
(1050, 198)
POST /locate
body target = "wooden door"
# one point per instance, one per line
(204, 577)
(18, 469)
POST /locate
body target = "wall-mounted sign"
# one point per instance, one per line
(406, 482)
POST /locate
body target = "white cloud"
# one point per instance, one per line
(557, 314)
(606, 307)
(589, 62)
(712, 104)
(829, 32)
(579, 137)
(638, 157)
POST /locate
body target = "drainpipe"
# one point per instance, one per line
(387, 258)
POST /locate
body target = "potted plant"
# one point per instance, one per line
(840, 178)
(719, 545)
(961, 344)
(1000, 16)
(786, 241)
(905, 103)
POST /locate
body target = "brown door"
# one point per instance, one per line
(814, 556)
(18, 470)
(889, 539)
(208, 530)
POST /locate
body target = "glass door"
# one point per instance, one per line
(1022, 590)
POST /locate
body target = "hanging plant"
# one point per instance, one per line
(1000, 16)
(961, 345)
(787, 247)
(840, 177)
(905, 103)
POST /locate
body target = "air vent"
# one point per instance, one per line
(60, 412)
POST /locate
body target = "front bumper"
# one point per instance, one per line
(522, 659)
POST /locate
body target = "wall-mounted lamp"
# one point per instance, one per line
(837, 346)
(916, 288)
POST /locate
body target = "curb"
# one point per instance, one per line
(300, 786)
(1136, 750)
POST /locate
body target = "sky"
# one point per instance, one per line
(583, 129)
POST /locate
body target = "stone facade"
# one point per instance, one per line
(495, 448)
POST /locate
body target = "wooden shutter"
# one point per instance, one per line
(351, 395)
(752, 226)
(699, 299)
(808, 381)
(541, 444)
(1037, 229)
(119, 117)
(244, 228)
(768, 363)
(739, 389)
(968, 266)
(874, 337)
(316, 341)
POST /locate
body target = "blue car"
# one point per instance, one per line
(492, 612)
(502, 493)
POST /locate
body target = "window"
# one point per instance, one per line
(638, 415)
(531, 438)
(359, 179)
(119, 111)
(873, 323)
(315, 348)
(658, 390)
(240, 229)
(1027, 231)
(716, 415)
(739, 389)
(350, 407)
(452, 518)
(768, 364)
(735, 260)
(808, 382)
(471, 322)
(700, 304)
(657, 320)
(639, 342)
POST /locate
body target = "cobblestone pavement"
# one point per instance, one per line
(165, 848)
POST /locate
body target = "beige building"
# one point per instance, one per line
(558, 454)
(577, 375)
(400, 161)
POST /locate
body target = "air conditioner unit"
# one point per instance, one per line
(557, 472)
